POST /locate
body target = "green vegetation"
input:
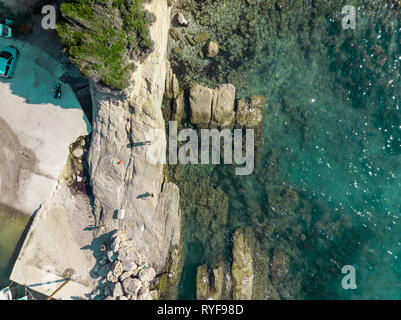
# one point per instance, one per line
(102, 37)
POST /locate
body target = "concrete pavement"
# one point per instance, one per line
(40, 128)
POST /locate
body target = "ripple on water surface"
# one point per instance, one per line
(326, 188)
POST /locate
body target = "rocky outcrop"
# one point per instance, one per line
(209, 285)
(174, 95)
(216, 291)
(216, 107)
(210, 106)
(201, 99)
(202, 283)
(125, 172)
(172, 86)
(242, 267)
(223, 106)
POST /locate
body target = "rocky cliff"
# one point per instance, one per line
(121, 175)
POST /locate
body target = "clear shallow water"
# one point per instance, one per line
(12, 225)
(334, 120)
(332, 136)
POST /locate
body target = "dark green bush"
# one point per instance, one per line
(101, 36)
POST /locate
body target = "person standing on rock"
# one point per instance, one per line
(139, 144)
(146, 195)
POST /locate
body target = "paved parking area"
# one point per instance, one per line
(38, 128)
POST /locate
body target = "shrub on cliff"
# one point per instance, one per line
(103, 37)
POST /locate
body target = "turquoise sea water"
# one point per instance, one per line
(332, 135)
(12, 225)
(335, 121)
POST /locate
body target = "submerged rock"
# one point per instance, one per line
(201, 37)
(279, 266)
(209, 286)
(257, 101)
(283, 201)
(212, 49)
(175, 34)
(242, 267)
(202, 283)
(250, 113)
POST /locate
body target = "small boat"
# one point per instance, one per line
(5, 294)
(9, 294)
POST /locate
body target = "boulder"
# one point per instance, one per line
(117, 268)
(215, 105)
(223, 106)
(250, 113)
(107, 290)
(121, 234)
(212, 49)
(200, 99)
(116, 289)
(209, 286)
(154, 294)
(115, 244)
(78, 152)
(131, 286)
(144, 294)
(127, 254)
(126, 275)
(129, 266)
(146, 275)
(181, 19)
(242, 267)
(111, 277)
(111, 256)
